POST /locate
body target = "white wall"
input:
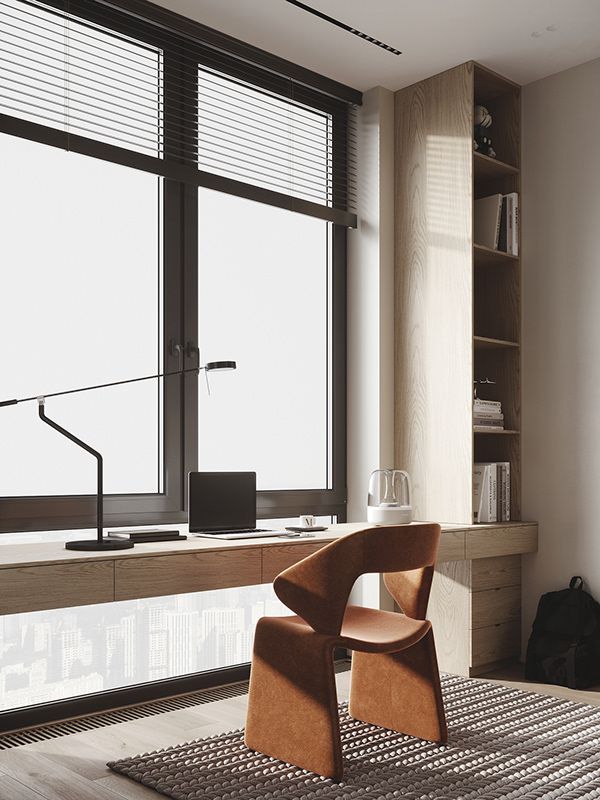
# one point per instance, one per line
(371, 312)
(371, 302)
(561, 330)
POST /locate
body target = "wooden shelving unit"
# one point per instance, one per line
(458, 317)
(497, 283)
(458, 304)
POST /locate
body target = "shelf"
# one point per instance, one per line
(487, 168)
(497, 433)
(485, 343)
(484, 257)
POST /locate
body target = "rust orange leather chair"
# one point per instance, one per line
(292, 704)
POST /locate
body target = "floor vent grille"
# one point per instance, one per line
(55, 730)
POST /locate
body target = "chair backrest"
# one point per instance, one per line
(317, 588)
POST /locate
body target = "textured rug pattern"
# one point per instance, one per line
(503, 743)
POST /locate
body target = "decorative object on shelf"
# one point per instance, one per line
(100, 542)
(482, 121)
(389, 500)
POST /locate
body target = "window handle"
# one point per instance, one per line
(176, 349)
(192, 351)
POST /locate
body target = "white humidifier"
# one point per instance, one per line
(389, 498)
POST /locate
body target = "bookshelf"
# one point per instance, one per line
(458, 303)
(457, 318)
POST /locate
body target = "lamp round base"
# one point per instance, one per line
(94, 544)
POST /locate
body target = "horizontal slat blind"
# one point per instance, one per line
(262, 139)
(93, 79)
(79, 77)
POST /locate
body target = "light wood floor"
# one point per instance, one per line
(74, 767)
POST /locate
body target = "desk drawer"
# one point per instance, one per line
(55, 586)
(495, 605)
(490, 573)
(153, 576)
(495, 643)
(276, 558)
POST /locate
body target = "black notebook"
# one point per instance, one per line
(148, 535)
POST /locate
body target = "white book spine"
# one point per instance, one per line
(478, 478)
(487, 479)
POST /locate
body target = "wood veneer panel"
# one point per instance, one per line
(450, 613)
(154, 576)
(495, 643)
(279, 557)
(501, 542)
(499, 604)
(433, 292)
(57, 586)
(488, 573)
(497, 299)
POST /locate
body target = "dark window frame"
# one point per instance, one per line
(180, 223)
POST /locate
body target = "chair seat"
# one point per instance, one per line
(366, 630)
(372, 631)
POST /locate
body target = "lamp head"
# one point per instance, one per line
(215, 366)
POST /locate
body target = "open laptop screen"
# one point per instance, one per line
(222, 501)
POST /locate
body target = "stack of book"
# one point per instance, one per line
(491, 492)
(496, 222)
(487, 415)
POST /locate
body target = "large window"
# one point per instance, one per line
(168, 197)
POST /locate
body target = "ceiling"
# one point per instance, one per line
(523, 39)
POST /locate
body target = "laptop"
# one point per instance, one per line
(223, 506)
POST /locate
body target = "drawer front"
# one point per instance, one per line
(56, 586)
(154, 576)
(491, 573)
(451, 547)
(276, 558)
(492, 606)
(489, 542)
(495, 643)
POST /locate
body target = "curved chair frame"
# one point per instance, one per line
(292, 704)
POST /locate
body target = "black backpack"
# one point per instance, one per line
(564, 646)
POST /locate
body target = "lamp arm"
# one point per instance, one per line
(95, 453)
(208, 367)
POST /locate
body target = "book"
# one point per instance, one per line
(487, 415)
(508, 236)
(512, 233)
(148, 535)
(485, 492)
(503, 494)
(488, 423)
(486, 405)
(486, 220)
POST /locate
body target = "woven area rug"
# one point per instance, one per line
(503, 743)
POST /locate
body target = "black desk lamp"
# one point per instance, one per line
(100, 543)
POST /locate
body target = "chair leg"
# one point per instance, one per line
(400, 691)
(292, 702)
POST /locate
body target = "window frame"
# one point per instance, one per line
(180, 264)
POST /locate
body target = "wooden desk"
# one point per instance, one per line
(36, 577)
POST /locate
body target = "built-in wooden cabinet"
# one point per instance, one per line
(458, 304)
(458, 319)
